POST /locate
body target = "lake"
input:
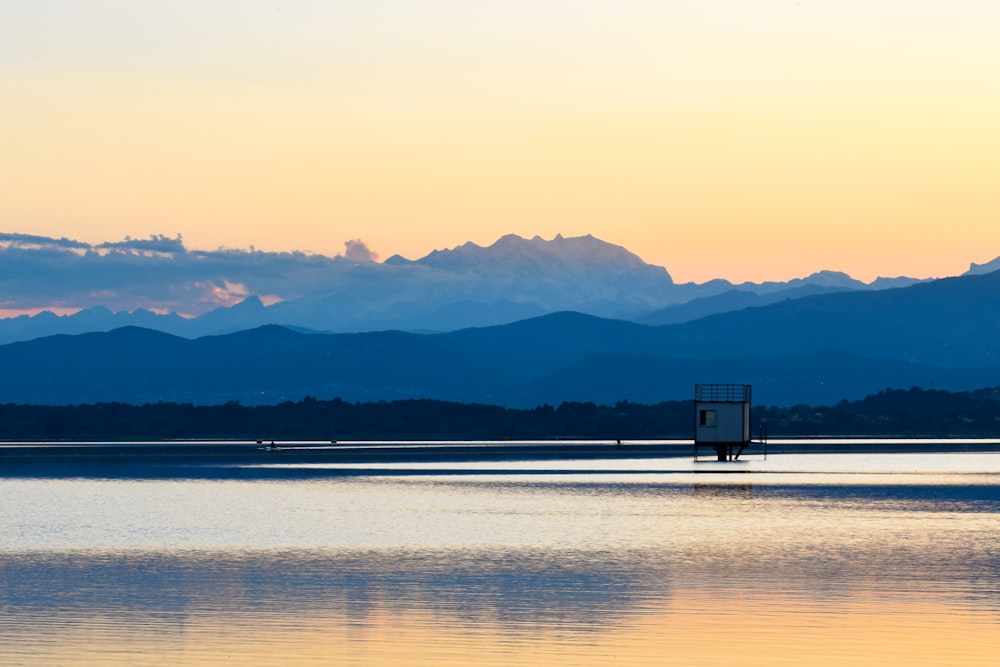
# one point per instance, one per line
(802, 558)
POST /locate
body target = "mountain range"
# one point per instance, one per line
(467, 286)
(815, 349)
(519, 323)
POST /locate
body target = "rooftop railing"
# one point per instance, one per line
(722, 393)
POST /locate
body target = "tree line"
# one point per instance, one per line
(891, 412)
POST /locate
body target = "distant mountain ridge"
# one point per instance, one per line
(539, 257)
(470, 285)
(818, 349)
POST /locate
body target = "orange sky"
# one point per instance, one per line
(749, 141)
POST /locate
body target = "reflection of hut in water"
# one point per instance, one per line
(722, 419)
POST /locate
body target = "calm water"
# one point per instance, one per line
(804, 559)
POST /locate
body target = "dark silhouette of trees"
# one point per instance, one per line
(891, 412)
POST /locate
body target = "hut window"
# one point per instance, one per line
(707, 418)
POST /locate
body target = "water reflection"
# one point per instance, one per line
(584, 591)
(448, 608)
(523, 569)
(723, 490)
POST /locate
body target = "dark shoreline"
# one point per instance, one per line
(891, 413)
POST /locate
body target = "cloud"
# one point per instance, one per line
(269, 299)
(6, 313)
(226, 294)
(157, 273)
(356, 250)
(155, 243)
(8, 239)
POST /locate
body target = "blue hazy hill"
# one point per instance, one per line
(823, 378)
(952, 322)
(469, 285)
(817, 349)
(731, 300)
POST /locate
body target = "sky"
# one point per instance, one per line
(743, 139)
